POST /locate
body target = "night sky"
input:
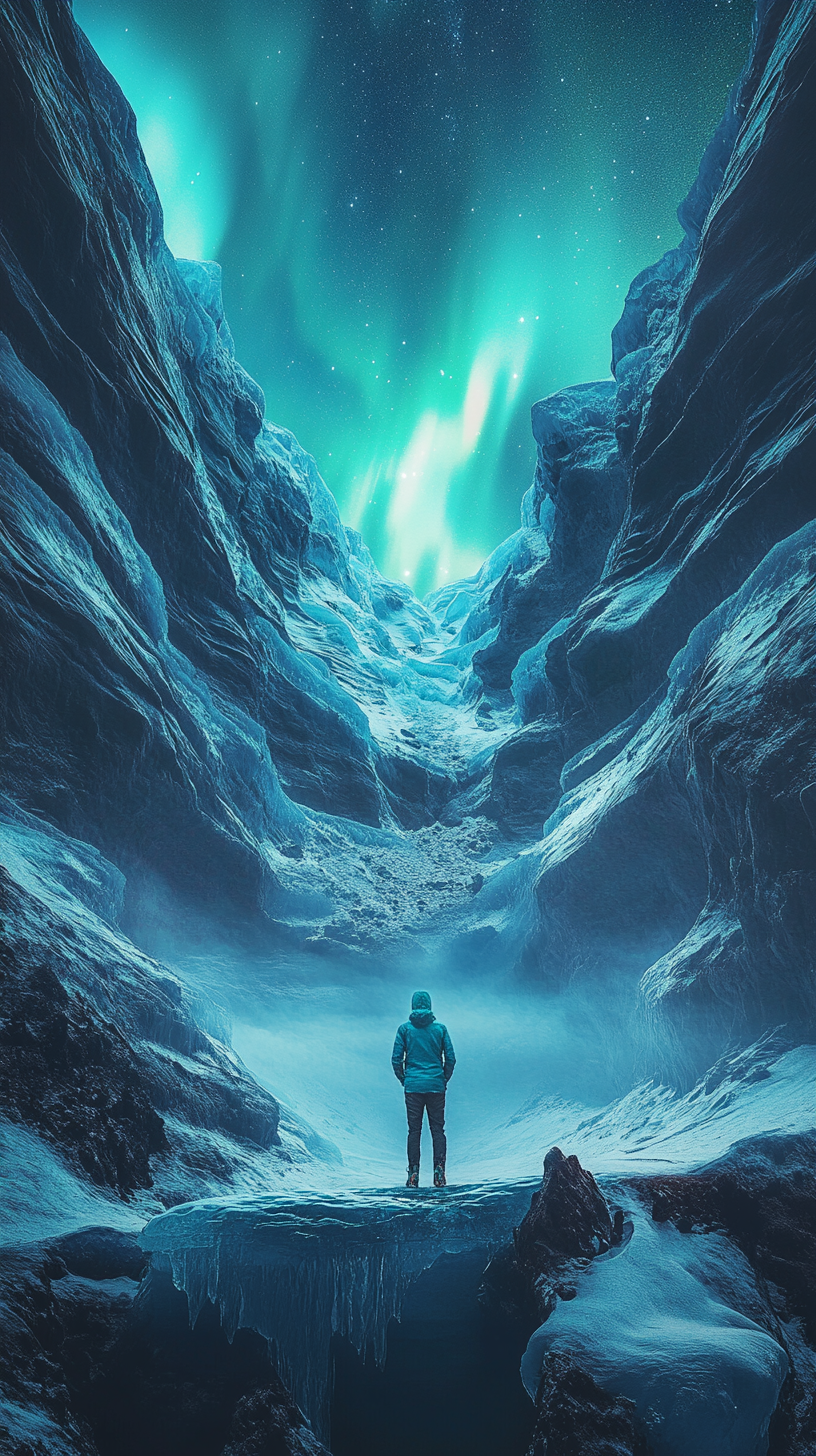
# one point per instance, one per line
(427, 212)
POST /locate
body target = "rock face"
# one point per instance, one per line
(568, 1223)
(667, 716)
(83, 1374)
(568, 1216)
(577, 1418)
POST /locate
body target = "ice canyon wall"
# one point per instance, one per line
(211, 695)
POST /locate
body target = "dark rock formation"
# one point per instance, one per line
(568, 1216)
(575, 1417)
(83, 1374)
(267, 1423)
(567, 1225)
(195, 650)
(764, 1194)
(720, 467)
(99, 1052)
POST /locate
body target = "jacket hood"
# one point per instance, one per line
(421, 1001)
(421, 1013)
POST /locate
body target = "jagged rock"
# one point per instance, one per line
(568, 1223)
(267, 1423)
(568, 1216)
(720, 1302)
(66, 1072)
(101, 1054)
(575, 1417)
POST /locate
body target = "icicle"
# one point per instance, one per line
(299, 1273)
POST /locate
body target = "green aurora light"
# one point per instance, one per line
(427, 215)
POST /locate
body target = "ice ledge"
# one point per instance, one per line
(300, 1272)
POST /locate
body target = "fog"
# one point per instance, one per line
(318, 1034)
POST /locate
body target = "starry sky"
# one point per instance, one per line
(427, 212)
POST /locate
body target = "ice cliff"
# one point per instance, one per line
(652, 623)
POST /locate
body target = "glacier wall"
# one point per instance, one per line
(665, 719)
(586, 772)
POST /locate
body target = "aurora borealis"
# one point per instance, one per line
(427, 213)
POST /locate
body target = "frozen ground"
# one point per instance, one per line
(354, 1100)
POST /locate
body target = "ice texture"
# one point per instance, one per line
(648, 1323)
(300, 1271)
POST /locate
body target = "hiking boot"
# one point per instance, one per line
(413, 1177)
(439, 1177)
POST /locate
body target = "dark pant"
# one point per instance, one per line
(434, 1104)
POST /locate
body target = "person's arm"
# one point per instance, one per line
(398, 1055)
(449, 1056)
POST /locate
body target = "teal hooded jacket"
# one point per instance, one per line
(423, 1057)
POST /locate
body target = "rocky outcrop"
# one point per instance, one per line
(83, 1374)
(567, 1225)
(575, 1417)
(568, 1216)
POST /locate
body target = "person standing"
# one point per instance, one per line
(423, 1060)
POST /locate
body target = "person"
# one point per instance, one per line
(423, 1060)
